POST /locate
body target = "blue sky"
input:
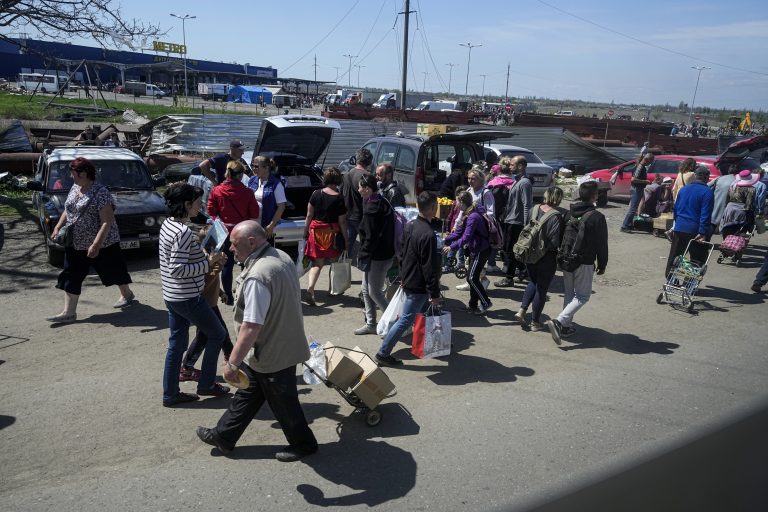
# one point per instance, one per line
(552, 53)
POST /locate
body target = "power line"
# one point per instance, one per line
(429, 51)
(373, 25)
(652, 45)
(324, 37)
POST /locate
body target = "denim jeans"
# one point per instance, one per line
(634, 200)
(414, 303)
(373, 289)
(578, 289)
(352, 228)
(197, 345)
(540, 276)
(762, 275)
(181, 315)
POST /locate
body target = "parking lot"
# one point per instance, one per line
(508, 419)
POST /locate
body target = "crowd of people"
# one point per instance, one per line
(493, 216)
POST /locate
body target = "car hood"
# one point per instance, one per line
(135, 202)
(740, 149)
(477, 136)
(295, 139)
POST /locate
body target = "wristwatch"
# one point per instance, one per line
(233, 367)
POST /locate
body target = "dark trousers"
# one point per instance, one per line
(226, 272)
(279, 391)
(540, 275)
(476, 289)
(511, 234)
(109, 265)
(197, 345)
(762, 275)
(698, 252)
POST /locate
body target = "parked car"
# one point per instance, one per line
(540, 174)
(140, 209)
(740, 153)
(295, 143)
(423, 163)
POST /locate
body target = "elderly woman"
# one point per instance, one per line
(377, 249)
(95, 241)
(326, 221)
(232, 202)
(270, 194)
(183, 266)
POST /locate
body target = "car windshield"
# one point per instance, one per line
(115, 174)
(531, 158)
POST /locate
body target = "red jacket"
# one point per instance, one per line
(232, 202)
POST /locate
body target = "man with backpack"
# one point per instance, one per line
(516, 216)
(585, 239)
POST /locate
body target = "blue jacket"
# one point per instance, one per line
(473, 233)
(693, 209)
(268, 202)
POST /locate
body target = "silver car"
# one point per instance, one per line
(540, 174)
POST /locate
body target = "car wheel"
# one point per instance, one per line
(55, 256)
(43, 90)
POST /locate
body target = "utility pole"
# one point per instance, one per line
(450, 72)
(349, 70)
(482, 94)
(693, 103)
(506, 92)
(358, 66)
(469, 46)
(184, 36)
(315, 66)
(404, 86)
(337, 68)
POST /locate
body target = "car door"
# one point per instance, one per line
(405, 172)
(623, 180)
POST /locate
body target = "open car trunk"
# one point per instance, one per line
(299, 181)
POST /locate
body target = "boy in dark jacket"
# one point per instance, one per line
(419, 271)
(578, 284)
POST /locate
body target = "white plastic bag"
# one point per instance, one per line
(316, 361)
(340, 275)
(432, 334)
(302, 262)
(392, 313)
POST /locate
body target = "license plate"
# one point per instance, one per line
(130, 244)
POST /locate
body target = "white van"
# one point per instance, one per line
(564, 113)
(437, 105)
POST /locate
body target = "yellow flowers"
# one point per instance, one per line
(444, 201)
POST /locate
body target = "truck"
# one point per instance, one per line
(391, 100)
(143, 89)
(361, 98)
(285, 100)
(213, 91)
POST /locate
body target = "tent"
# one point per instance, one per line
(249, 94)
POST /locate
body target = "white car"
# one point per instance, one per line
(540, 174)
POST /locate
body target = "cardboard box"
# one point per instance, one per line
(429, 129)
(663, 221)
(374, 385)
(444, 210)
(342, 371)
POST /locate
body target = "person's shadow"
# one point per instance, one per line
(465, 369)
(592, 337)
(136, 315)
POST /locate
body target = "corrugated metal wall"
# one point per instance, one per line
(212, 133)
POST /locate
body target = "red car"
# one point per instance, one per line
(667, 165)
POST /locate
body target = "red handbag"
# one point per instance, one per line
(733, 243)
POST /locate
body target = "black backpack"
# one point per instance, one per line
(500, 196)
(569, 255)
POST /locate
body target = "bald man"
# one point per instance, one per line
(270, 343)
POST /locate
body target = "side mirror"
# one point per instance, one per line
(159, 181)
(35, 185)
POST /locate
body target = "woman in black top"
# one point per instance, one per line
(326, 221)
(377, 249)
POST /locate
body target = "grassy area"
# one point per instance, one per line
(16, 106)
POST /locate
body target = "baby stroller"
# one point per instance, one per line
(733, 245)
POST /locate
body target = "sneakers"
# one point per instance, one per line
(125, 301)
(387, 360)
(62, 319)
(366, 329)
(625, 230)
(567, 332)
(189, 374)
(555, 329)
(756, 288)
(519, 316)
(504, 283)
(492, 269)
(290, 454)
(181, 398)
(216, 390)
(538, 326)
(462, 287)
(209, 436)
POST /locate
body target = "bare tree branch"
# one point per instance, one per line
(101, 20)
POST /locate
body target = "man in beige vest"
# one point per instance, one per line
(270, 343)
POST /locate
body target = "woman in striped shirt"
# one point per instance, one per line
(183, 266)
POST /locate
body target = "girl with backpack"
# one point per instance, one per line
(474, 235)
(541, 273)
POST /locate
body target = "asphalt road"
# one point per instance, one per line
(509, 419)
